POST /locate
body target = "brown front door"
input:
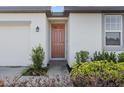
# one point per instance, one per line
(58, 41)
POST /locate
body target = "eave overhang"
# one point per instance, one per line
(67, 10)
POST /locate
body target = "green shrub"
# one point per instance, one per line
(104, 55)
(121, 57)
(37, 59)
(98, 74)
(82, 56)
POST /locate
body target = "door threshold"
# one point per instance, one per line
(58, 60)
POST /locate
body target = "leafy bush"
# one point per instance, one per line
(37, 57)
(121, 57)
(98, 74)
(82, 56)
(104, 55)
(36, 67)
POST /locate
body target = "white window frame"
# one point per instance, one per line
(121, 32)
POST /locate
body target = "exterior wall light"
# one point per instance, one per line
(37, 29)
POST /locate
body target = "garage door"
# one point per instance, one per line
(14, 45)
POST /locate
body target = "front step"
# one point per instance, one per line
(57, 62)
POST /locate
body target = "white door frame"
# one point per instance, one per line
(59, 22)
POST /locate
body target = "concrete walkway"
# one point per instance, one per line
(10, 72)
(54, 69)
(57, 68)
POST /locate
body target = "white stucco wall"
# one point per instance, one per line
(26, 23)
(84, 33)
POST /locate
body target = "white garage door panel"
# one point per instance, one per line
(14, 45)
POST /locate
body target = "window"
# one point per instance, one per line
(113, 30)
(113, 38)
(57, 10)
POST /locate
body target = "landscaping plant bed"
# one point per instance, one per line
(36, 68)
(98, 74)
(34, 72)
